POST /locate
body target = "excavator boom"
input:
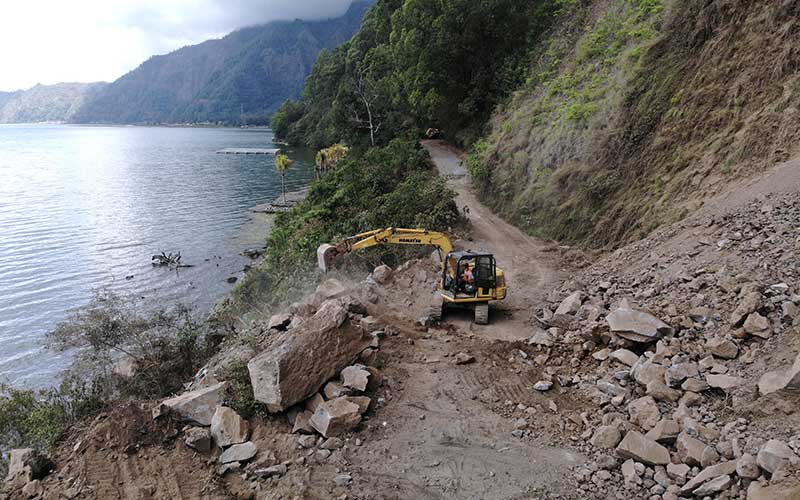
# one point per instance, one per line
(326, 254)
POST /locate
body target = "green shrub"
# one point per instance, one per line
(166, 346)
(39, 418)
(477, 165)
(240, 392)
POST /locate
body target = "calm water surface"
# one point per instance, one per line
(84, 208)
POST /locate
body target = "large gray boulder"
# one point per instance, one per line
(778, 380)
(336, 417)
(571, 305)
(693, 452)
(634, 445)
(298, 363)
(196, 406)
(239, 453)
(27, 464)
(637, 326)
(228, 427)
(724, 382)
(198, 438)
(708, 474)
(780, 491)
(644, 412)
(327, 290)
(774, 454)
(748, 305)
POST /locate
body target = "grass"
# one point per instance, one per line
(575, 90)
(571, 95)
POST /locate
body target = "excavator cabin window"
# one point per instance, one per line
(466, 273)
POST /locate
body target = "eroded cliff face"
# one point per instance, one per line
(638, 110)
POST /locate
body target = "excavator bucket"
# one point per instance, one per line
(325, 255)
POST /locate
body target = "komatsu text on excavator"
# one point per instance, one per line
(468, 278)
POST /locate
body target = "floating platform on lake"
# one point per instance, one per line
(248, 151)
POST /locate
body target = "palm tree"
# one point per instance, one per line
(282, 165)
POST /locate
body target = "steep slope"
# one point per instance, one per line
(638, 110)
(248, 73)
(46, 103)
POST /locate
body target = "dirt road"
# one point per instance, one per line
(529, 269)
(446, 430)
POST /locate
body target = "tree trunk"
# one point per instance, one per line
(371, 127)
(283, 187)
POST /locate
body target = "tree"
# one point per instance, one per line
(282, 165)
(367, 93)
(328, 158)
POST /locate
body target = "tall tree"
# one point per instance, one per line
(282, 165)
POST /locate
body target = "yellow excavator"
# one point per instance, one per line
(468, 279)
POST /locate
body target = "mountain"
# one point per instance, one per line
(46, 103)
(247, 74)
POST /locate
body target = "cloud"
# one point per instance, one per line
(51, 41)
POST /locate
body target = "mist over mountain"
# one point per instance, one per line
(46, 103)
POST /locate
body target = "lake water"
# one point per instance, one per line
(85, 208)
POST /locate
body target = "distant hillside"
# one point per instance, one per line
(46, 103)
(250, 72)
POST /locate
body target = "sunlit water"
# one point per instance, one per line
(85, 208)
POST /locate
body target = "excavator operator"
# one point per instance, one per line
(468, 279)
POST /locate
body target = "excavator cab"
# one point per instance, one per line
(470, 275)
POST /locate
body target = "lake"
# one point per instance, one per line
(84, 209)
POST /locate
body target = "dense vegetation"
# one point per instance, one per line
(416, 65)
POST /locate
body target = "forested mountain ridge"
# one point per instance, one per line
(240, 78)
(46, 103)
(247, 74)
(417, 65)
(590, 121)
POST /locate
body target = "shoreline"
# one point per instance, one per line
(268, 211)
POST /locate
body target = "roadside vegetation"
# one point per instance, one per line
(119, 354)
(629, 118)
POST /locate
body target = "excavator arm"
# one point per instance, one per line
(326, 254)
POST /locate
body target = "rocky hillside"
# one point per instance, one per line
(46, 103)
(666, 370)
(637, 110)
(248, 73)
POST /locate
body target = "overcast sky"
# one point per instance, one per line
(51, 41)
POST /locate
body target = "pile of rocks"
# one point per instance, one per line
(211, 423)
(672, 372)
(316, 367)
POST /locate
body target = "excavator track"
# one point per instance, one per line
(436, 307)
(482, 314)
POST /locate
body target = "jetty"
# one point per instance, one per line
(248, 151)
